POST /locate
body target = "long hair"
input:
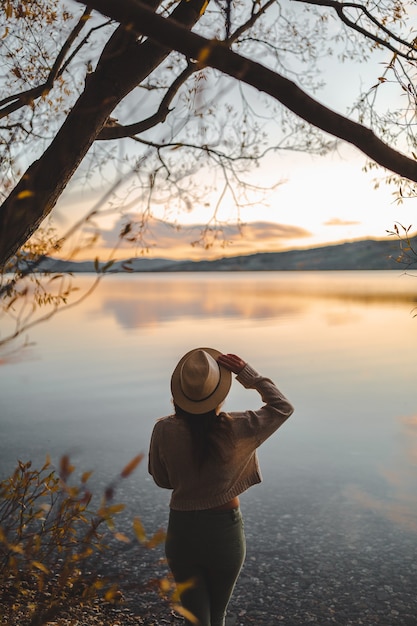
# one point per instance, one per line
(206, 429)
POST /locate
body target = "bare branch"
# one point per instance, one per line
(250, 22)
(116, 131)
(80, 45)
(340, 8)
(215, 54)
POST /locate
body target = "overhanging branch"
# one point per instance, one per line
(117, 131)
(341, 7)
(134, 15)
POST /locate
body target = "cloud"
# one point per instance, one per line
(272, 231)
(167, 239)
(337, 221)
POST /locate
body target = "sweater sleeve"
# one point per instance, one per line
(156, 465)
(276, 410)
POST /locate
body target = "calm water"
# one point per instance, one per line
(336, 515)
(342, 347)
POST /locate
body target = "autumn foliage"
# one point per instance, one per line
(50, 533)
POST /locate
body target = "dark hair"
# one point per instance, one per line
(206, 429)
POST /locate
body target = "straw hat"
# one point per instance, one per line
(199, 384)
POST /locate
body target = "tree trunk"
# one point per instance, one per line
(123, 65)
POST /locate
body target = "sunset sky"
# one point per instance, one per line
(321, 200)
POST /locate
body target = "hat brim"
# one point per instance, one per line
(210, 403)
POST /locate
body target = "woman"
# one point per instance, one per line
(208, 458)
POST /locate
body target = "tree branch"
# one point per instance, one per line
(340, 7)
(250, 22)
(17, 101)
(118, 131)
(124, 63)
(134, 15)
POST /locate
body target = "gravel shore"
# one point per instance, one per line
(326, 563)
(314, 556)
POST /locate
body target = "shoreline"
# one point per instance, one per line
(299, 571)
(313, 557)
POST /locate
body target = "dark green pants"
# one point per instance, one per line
(207, 550)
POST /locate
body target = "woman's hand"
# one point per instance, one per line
(231, 362)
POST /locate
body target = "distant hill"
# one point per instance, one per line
(359, 255)
(367, 254)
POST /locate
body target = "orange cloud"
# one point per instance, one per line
(337, 221)
(165, 239)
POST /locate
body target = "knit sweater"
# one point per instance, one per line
(216, 482)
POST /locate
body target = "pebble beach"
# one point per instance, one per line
(314, 556)
(326, 563)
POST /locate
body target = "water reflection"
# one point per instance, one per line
(399, 504)
(335, 518)
(146, 299)
(152, 300)
(341, 345)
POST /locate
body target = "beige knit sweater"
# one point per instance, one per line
(170, 458)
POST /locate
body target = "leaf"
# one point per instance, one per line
(98, 584)
(111, 510)
(40, 566)
(157, 538)
(25, 194)
(131, 466)
(185, 613)
(65, 467)
(165, 585)
(111, 594)
(125, 230)
(204, 54)
(85, 477)
(181, 588)
(11, 303)
(47, 463)
(139, 530)
(44, 507)
(122, 537)
(107, 266)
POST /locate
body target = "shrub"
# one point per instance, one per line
(49, 534)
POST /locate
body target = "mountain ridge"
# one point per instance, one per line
(366, 254)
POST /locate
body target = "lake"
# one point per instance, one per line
(340, 345)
